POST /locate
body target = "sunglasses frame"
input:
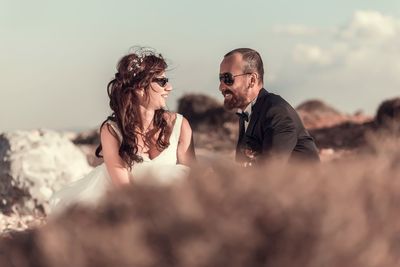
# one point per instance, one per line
(161, 81)
(227, 75)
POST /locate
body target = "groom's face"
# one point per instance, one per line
(234, 83)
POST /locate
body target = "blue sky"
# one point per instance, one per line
(56, 57)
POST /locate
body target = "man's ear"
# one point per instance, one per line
(253, 79)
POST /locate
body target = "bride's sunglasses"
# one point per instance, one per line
(228, 78)
(161, 81)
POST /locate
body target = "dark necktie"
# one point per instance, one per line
(244, 115)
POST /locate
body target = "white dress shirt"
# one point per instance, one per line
(248, 111)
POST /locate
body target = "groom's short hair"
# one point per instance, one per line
(253, 61)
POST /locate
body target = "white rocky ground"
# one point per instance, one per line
(34, 164)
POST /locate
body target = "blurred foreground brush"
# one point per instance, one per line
(342, 213)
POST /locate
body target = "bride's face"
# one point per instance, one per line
(157, 92)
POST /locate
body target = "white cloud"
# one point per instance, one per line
(357, 68)
(311, 55)
(371, 26)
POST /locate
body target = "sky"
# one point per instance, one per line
(56, 57)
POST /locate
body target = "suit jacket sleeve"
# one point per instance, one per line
(280, 133)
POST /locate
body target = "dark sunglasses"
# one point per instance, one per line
(228, 78)
(161, 81)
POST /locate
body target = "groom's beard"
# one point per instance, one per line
(233, 100)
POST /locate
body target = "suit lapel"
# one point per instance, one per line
(255, 113)
(240, 139)
(241, 129)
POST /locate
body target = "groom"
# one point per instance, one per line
(269, 128)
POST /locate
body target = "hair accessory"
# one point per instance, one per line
(141, 53)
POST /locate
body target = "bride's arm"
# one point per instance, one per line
(116, 167)
(186, 154)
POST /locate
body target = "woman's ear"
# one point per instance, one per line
(140, 92)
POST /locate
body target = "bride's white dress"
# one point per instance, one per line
(163, 169)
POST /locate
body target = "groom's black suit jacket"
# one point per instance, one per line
(275, 129)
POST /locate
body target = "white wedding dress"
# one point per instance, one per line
(163, 169)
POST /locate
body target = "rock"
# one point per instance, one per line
(317, 114)
(204, 112)
(317, 106)
(34, 164)
(15, 222)
(215, 128)
(90, 137)
(346, 135)
(388, 112)
(88, 141)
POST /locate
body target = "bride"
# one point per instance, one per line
(140, 139)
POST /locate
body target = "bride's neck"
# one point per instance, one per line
(147, 116)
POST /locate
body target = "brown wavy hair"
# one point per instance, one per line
(135, 70)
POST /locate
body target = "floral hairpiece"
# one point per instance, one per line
(141, 53)
(136, 65)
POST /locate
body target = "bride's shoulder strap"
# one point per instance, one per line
(115, 128)
(178, 125)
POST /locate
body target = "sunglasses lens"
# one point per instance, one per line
(226, 78)
(161, 81)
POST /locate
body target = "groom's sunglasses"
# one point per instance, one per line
(228, 78)
(161, 81)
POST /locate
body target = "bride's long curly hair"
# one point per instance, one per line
(135, 70)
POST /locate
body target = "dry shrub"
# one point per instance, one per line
(343, 213)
